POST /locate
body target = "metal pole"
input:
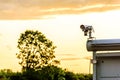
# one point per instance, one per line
(90, 34)
(94, 65)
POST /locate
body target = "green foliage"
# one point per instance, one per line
(31, 74)
(35, 50)
(49, 72)
(70, 76)
(17, 76)
(5, 73)
(52, 72)
(84, 76)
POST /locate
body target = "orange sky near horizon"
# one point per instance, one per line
(39, 9)
(59, 21)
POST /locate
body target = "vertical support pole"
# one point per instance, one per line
(90, 34)
(94, 65)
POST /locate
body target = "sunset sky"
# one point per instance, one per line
(59, 20)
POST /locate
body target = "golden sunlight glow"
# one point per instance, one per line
(64, 31)
(81, 8)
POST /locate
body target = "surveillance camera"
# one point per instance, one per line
(86, 29)
(82, 27)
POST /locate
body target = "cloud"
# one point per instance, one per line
(69, 59)
(65, 54)
(33, 9)
(87, 57)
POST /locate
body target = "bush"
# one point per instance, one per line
(84, 76)
(17, 76)
(50, 72)
(70, 76)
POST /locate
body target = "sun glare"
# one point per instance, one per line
(64, 31)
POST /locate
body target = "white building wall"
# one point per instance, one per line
(108, 68)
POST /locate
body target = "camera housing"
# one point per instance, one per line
(87, 29)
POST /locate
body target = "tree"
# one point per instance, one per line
(70, 76)
(35, 50)
(51, 72)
